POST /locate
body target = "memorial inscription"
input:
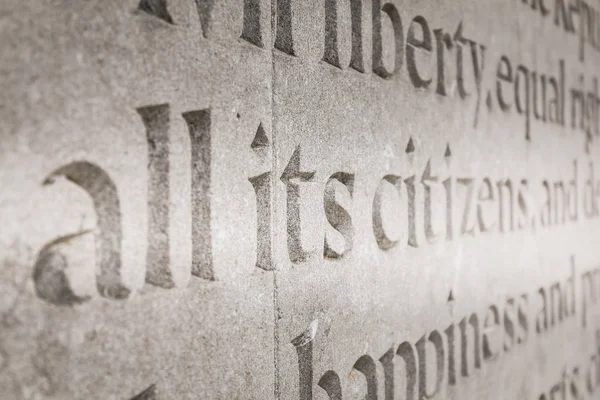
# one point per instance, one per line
(293, 199)
(478, 343)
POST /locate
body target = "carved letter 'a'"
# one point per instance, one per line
(51, 282)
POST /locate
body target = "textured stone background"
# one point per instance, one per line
(300, 153)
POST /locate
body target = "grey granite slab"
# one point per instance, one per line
(299, 199)
(129, 221)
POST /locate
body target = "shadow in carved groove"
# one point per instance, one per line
(337, 216)
(383, 240)
(304, 349)
(436, 339)
(392, 12)
(204, 8)
(50, 281)
(284, 39)
(330, 382)
(148, 394)
(292, 177)
(251, 30)
(331, 53)
(366, 366)
(406, 352)
(158, 8)
(199, 125)
(262, 188)
(156, 120)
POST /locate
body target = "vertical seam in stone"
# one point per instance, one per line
(276, 389)
(276, 385)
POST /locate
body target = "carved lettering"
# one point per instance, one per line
(407, 353)
(158, 8)
(284, 37)
(304, 349)
(262, 185)
(412, 44)
(199, 123)
(292, 177)
(331, 54)
(262, 189)
(436, 339)
(383, 240)
(156, 121)
(392, 12)
(491, 324)
(251, 31)
(466, 225)
(337, 216)
(51, 283)
(428, 181)
(330, 382)
(443, 43)
(412, 211)
(472, 321)
(204, 9)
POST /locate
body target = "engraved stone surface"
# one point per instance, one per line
(129, 233)
(299, 199)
